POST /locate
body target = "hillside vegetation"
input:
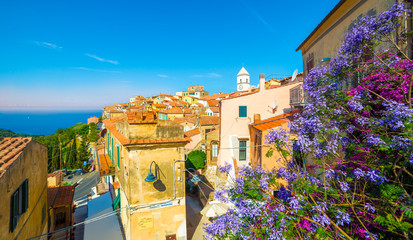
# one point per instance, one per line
(69, 148)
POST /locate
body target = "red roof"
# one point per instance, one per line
(192, 132)
(214, 109)
(274, 121)
(209, 120)
(159, 105)
(173, 110)
(10, 150)
(214, 96)
(141, 117)
(111, 126)
(54, 174)
(105, 164)
(60, 196)
(185, 119)
(212, 103)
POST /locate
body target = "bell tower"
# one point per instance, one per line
(243, 80)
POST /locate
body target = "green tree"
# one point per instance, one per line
(196, 159)
(93, 132)
(83, 153)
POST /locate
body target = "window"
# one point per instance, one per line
(214, 150)
(242, 111)
(206, 132)
(310, 64)
(242, 150)
(61, 218)
(19, 203)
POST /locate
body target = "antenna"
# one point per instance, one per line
(294, 75)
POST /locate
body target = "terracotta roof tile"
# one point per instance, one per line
(209, 120)
(212, 103)
(192, 132)
(10, 150)
(185, 119)
(274, 121)
(173, 110)
(105, 164)
(214, 109)
(159, 105)
(111, 126)
(54, 174)
(60, 196)
(215, 96)
(141, 117)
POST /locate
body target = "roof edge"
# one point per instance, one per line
(321, 23)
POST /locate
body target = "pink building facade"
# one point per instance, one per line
(238, 112)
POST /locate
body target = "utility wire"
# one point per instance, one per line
(100, 217)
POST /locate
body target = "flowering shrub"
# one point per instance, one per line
(357, 182)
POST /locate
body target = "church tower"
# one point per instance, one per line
(243, 80)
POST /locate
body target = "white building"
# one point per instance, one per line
(243, 80)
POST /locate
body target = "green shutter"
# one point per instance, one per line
(242, 111)
(116, 202)
(13, 210)
(111, 151)
(25, 195)
(118, 158)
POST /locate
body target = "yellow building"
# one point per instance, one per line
(190, 100)
(325, 40)
(148, 155)
(258, 130)
(171, 114)
(23, 188)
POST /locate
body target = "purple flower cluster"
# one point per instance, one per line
(374, 140)
(344, 186)
(396, 114)
(225, 169)
(283, 194)
(402, 143)
(369, 207)
(343, 218)
(375, 176)
(358, 173)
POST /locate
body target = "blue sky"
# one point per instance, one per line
(65, 55)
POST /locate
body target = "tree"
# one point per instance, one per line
(360, 184)
(196, 159)
(83, 153)
(93, 133)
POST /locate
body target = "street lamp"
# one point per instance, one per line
(151, 177)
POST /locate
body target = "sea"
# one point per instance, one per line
(43, 123)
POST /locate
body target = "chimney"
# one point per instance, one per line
(262, 82)
(257, 118)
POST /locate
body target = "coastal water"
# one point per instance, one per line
(42, 123)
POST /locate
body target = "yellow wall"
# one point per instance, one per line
(328, 38)
(189, 100)
(158, 223)
(31, 165)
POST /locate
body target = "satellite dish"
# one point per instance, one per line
(294, 75)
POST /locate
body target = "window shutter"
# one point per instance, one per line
(13, 210)
(242, 111)
(25, 196)
(118, 157)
